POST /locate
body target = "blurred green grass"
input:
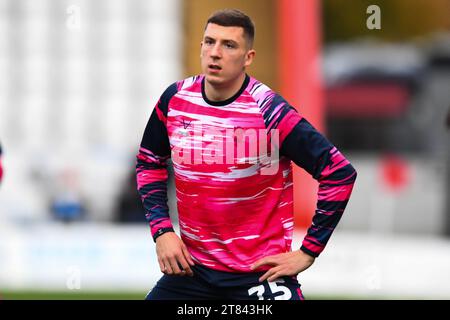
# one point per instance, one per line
(91, 295)
(72, 295)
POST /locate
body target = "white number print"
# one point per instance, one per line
(279, 288)
(259, 290)
(274, 287)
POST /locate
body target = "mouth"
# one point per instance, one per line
(214, 67)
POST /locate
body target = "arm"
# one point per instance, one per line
(307, 148)
(336, 176)
(152, 174)
(151, 177)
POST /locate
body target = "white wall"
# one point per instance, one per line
(418, 207)
(102, 257)
(78, 81)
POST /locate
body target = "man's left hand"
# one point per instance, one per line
(284, 264)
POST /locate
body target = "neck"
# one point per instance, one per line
(221, 92)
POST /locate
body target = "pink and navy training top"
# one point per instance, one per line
(233, 174)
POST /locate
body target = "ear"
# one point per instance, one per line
(249, 57)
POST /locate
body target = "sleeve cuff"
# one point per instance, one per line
(161, 232)
(307, 251)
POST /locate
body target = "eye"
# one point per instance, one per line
(229, 45)
(208, 41)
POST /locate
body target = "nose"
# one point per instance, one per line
(215, 51)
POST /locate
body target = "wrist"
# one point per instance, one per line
(160, 232)
(308, 252)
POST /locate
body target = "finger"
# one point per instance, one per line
(167, 267)
(275, 276)
(266, 275)
(161, 265)
(264, 261)
(174, 264)
(258, 263)
(187, 255)
(185, 266)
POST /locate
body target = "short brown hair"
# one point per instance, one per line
(234, 18)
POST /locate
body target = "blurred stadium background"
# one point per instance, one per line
(79, 79)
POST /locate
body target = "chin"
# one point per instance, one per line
(214, 80)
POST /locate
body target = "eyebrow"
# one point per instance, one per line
(225, 40)
(231, 42)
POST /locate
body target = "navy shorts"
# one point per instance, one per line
(208, 284)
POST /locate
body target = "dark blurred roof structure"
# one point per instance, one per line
(371, 80)
(381, 96)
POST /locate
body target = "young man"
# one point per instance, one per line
(231, 140)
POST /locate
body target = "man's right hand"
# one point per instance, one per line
(172, 253)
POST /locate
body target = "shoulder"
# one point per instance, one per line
(176, 87)
(269, 101)
(264, 96)
(184, 84)
(276, 111)
(189, 83)
(258, 90)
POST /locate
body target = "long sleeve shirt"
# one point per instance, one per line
(232, 164)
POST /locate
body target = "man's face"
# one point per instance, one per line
(224, 54)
